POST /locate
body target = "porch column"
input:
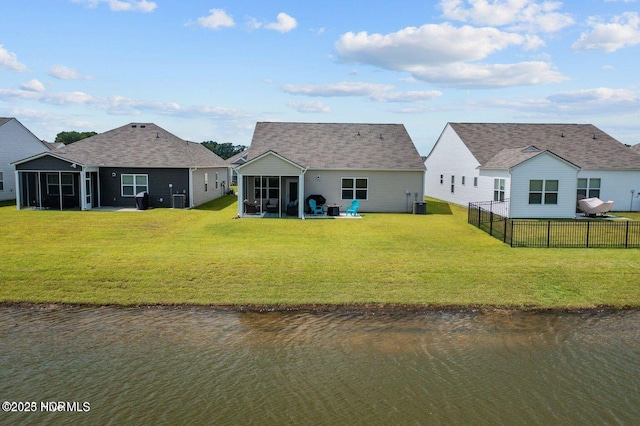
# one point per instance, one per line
(301, 195)
(18, 191)
(240, 194)
(83, 189)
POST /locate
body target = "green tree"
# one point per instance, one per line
(224, 150)
(73, 136)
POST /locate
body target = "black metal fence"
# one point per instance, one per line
(492, 218)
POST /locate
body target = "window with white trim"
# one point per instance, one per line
(453, 184)
(498, 189)
(206, 182)
(475, 181)
(441, 179)
(58, 181)
(355, 188)
(216, 180)
(589, 188)
(543, 191)
(1, 182)
(133, 184)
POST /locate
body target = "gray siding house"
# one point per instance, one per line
(286, 163)
(16, 142)
(110, 169)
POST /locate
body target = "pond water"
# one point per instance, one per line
(204, 366)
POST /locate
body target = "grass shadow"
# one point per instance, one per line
(219, 203)
(7, 203)
(438, 206)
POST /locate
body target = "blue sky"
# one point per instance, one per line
(209, 70)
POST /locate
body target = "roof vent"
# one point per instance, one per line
(594, 136)
(142, 126)
(134, 126)
(358, 132)
(157, 135)
(381, 136)
(562, 135)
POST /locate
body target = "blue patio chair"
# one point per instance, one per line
(314, 208)
(353, 208)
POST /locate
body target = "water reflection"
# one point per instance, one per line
(202, 366)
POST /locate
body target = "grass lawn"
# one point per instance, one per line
(205, 256)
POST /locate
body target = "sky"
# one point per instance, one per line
(209, 70)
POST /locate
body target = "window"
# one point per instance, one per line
(543, 192)
(453, 184)
(463, 180)
(589, 188)
(498, 189)
(134, 184)
(216, 180)
(265, 187)
(355, 188)
(475, 182)
(1, 182)
(441, 179)
(206, 182)
(57, 181)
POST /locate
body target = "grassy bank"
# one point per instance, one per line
(204, 256)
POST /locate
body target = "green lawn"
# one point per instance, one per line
(205, 256)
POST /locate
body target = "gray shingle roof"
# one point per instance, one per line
(4, 120)
(572, 142)
(139, 145)
(338, 145)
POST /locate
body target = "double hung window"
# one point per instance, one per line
(355, 188)
(589, 188)
(133, 184)
(498, 189)
(543, 191)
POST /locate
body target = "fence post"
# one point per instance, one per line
(511, 242)
(504, 239)
(548, 233)
(626, 235)
(491, 223)
(588, 227)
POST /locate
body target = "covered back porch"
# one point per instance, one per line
(271, 184)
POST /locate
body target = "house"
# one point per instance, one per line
(532, 170)
(16, 142)
(110, 169)
(286, 163)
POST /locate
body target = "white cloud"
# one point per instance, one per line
(122, 5)
(523, 14)
(33, 86)
(9, 60)
(310, 107)
(447, 55)
(371, 91)
(284, 24)
(337, 89)
(217, 18)
(601, 96)
(65, 73)
(622, 31)
(463, 75)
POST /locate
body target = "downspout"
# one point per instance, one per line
(191, 170)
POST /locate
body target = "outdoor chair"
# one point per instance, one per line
(314, 208)
(250, 208)
(594, 206)
(272, 205)
(353, 208)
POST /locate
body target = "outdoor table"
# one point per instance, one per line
(333, 210)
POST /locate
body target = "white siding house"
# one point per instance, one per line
(536, 170)
(16, 142)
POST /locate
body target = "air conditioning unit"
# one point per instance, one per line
(178, 201)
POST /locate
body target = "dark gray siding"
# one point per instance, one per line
(159, 191)
(45, 163)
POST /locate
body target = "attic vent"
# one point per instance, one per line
(134, 126)
(562, 135)
(381, 136)
(531, 149)
(594, 136)
(142, 126)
